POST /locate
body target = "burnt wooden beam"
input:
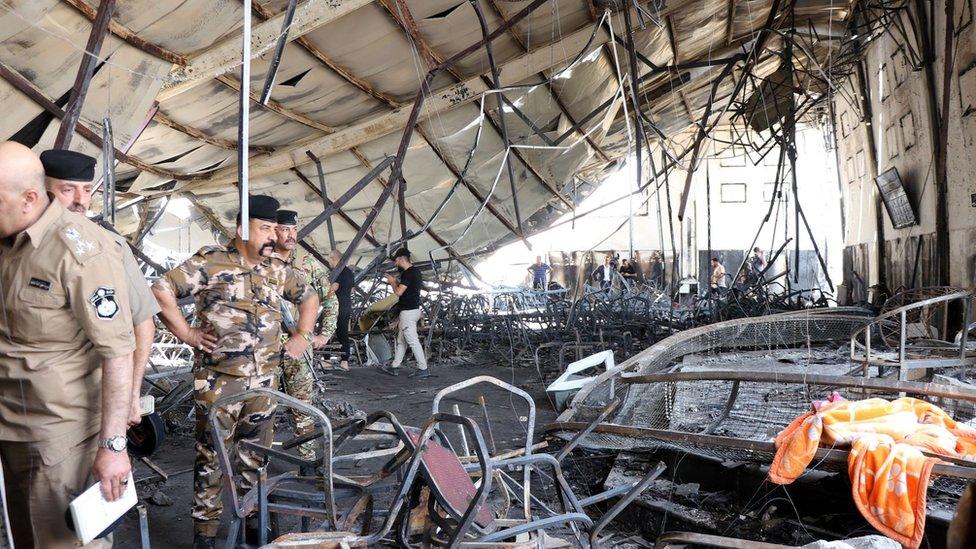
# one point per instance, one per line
(344, 73)
(545, 78)
(226, 144)
(422, 44)
(26, 87)
(672, 39)
(471, 188)
(729, 23)
(345, 217)
(413, 215)
(687, 104)
(85, 72)
(277, 107)
(129, 36)
(400, 13)
(209, 215)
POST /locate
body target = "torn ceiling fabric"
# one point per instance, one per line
(168, 79)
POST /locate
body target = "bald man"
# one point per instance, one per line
(66, 347)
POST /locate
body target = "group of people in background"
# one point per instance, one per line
(753, 270)
(629, 270)
(602, 275)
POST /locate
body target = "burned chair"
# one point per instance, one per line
(446, 500)
(913, 333)
(295, 492)
(461, 512)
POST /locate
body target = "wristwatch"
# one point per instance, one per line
(307, 336)
(115, 444)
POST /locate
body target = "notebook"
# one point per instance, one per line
(92, 515)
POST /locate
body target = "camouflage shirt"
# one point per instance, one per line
(239, 305)
(314, 274)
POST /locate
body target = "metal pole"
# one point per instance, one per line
(242, 125)
(325, 197)
(108, 168)
(279, 49)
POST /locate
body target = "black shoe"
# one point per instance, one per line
(422, 374)
(389, 370)
(201, 541)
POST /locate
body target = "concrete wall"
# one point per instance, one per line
(900, 124)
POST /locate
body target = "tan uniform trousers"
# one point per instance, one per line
(41, 479)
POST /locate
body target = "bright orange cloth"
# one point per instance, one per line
(889, 474)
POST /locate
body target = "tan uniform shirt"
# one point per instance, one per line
(64, 306)
(240, 305)
(142, 302)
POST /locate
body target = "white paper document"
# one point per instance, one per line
(92, 514)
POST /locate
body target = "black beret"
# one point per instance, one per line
(261, 206)
(68, 165)
(402, 252)
(287, 217)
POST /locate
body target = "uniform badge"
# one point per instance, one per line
(72, 233)
(83, 246)
(104, 302)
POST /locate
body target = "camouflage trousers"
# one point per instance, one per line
(249, 420)
(297, 381)
(330, 317)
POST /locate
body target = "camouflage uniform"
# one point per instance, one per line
(240, 306)
(296, 374)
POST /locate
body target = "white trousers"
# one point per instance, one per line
(407, 335)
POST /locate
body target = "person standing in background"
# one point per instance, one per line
(717, 279)
(539, 271)
(408, 288)
(296, 374)
(343, 287)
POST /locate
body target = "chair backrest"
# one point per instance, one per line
(239, 502)
(449, 483)
(529, 423)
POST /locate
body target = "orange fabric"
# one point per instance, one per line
(889, 474)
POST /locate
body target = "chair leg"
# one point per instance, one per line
(262, 507)
(232, 533)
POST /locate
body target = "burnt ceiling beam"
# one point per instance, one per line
(544, 75)
(277, 107)
(79, 91)
(467, 185)
(345, 217)
(209, 214)
(730, 21)
(413, 215)
(26, 87)
(225, 55)
(344, 73)
(422, 45)
(226, 144)
(129, 36)
(672, 39)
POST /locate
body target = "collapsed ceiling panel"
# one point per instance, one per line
(345, 88)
